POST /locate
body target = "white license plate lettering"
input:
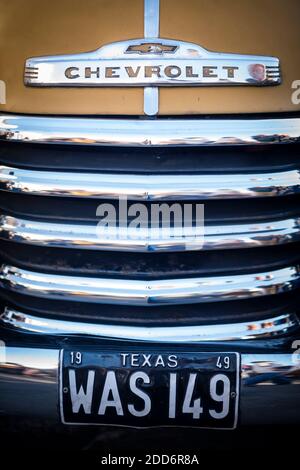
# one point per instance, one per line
(141, 391)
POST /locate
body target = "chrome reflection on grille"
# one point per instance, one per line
(136, 132)
(86, 237)
(163, 292)
(147, 188)
(267, 328)
(54, 259)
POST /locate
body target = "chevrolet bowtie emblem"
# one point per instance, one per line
(151, 48)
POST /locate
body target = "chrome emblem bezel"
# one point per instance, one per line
(122, 64)
(151, 62)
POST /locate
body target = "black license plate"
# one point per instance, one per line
(127, 388)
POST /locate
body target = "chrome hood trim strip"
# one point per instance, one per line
(85, 236)
(149, 293)
(259, 329)
(139, 132)
(149, 187)
(151, 30)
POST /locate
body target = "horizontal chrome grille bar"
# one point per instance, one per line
(85, 236)
(259, 329)
(147, 293)
(138, 132)
(150, 187)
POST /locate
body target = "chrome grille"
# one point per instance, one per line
(58, 276)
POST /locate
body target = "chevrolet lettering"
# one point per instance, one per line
(144, 63)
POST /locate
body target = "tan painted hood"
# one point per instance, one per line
(33, 28)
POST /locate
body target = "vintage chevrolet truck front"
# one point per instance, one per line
(118, 118)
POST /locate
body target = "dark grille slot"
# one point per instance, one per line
(84, 210)
(200, 314)
(150, 160)
(124, 265)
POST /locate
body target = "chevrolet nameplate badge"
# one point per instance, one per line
(151, 62)
(141, 62)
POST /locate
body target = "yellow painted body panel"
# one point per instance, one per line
(31, 28)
